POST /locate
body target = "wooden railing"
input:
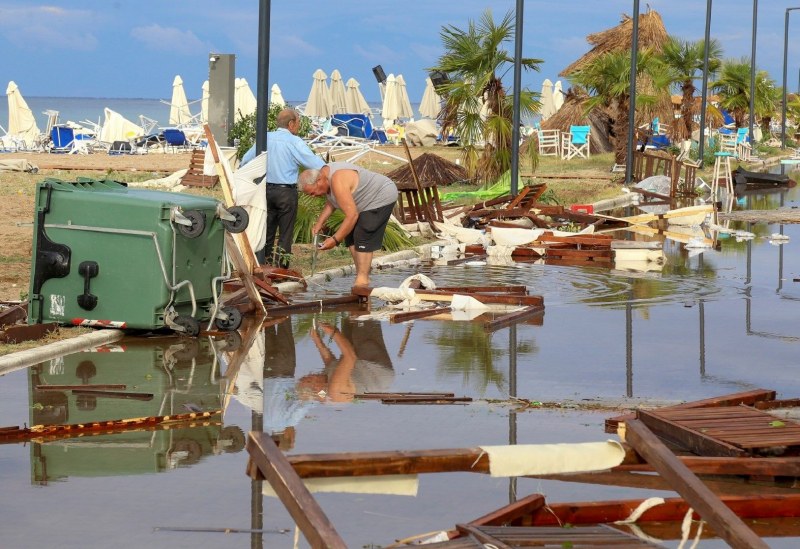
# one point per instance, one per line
(681, 174)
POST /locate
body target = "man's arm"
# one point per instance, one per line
(304, 156)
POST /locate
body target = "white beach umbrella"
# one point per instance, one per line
(558, 96)
(179, 106)
(276, 97)
(244, 102)
(338, 93)
(354, 99)
(318, 103)
(204, 103)
(391, 102)
(405, 103)
(118, 128)
(431, 103)
(21, 122)
(548, 109)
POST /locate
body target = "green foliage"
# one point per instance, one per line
(477, 108)
(244, 129)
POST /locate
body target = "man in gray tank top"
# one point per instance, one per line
(366, 198)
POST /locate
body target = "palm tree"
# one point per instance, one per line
(607, 79)
(734, 88)
(477, 108)
(684, 59)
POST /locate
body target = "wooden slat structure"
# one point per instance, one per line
(682, 174)
(194, 176)
(595, 536)
(725, 431)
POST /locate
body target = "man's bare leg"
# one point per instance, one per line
(363, 263)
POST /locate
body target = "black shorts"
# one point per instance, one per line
(367, 235)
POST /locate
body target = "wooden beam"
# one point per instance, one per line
(244, 274)
(312, 305)
(304, 509)
(411, 315)
(513, 318)
(724, 521)
(512, 512)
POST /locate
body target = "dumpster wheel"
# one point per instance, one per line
(198, 224)
(239, 224)
(190, 325)
(232, 321)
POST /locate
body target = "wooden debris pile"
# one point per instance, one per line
(709, 427)
(587, 250)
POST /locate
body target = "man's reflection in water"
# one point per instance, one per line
(363, 366)
(283, 409)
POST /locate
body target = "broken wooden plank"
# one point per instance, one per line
(724, 521)
(113, 394)
(378, 396)
(301, 505)
(318, 305)
(19, 333)
(512, 512)
(112, 386)
(412, 315)
(425, 400)
(443, 295)
(511, 289)
(13, 314)
(512, 318)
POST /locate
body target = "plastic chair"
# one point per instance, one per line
(743, 148)
(62, 139)
(549, 141)
(176, 139)
(575, 143)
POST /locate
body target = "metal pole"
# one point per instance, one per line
(704, 98)
(632, 94)
(785, 55)
(753, 71)
(517, 91)
(262, 100)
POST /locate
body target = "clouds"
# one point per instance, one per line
(29, 28)
(170, 40)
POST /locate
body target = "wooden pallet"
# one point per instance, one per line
(599, 535)
(194, 176)
(735, 431)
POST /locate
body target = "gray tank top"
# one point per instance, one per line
(374, 190)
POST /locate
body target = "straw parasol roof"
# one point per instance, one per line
(652, 34)
(572, 113)
(431, 170)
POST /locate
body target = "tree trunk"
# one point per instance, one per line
(621, 131)
(684, 130)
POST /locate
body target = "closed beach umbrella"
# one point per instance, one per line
(276, 97)
(354, 99)
(391, 101)
(548, 109)
(431, 103)
(405, 103)
(558, 95)
(204, 103)
(179, 106)
(21, 122)
(318, 103)
(244, 102)
(337, 91)
(118, 128)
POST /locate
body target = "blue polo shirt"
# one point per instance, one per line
(287, 155)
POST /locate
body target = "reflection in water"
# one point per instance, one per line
(143, 379)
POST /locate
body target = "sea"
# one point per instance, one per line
(90, 110)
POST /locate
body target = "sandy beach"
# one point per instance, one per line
(155, 162)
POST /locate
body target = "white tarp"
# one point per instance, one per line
(244, 102)
(118, 128)
(253, 198)
(553, 459)
(21, 122)
(179, 106)
(422, 132)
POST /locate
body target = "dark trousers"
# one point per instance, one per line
(281, 214)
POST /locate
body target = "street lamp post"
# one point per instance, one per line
(704, 87)
(785, 54)
(753, 70)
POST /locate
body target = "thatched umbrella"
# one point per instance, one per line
(431, 170)
(652, 34)
(572, 113)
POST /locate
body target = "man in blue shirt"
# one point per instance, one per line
(287, 153)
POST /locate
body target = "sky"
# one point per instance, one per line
(115, 49)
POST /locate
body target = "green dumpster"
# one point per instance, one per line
(108, 255)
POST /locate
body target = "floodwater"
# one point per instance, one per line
(710, 322)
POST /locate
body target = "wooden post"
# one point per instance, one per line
(423, 202)
(725, 523)
(294, 495)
